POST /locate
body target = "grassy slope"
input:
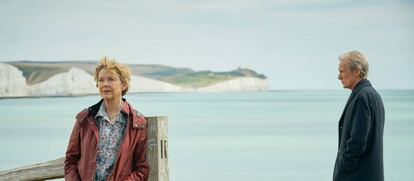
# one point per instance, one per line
(197, 79)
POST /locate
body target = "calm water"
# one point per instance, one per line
(264, 136)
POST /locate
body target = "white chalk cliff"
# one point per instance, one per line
(143, 84)
(78, 82)
(73, 82)
(12, 81)
(238, 84)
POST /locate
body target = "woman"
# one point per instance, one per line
(108, 141)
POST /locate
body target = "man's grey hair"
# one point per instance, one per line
(356, 61)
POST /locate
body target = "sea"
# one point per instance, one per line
(243, 136)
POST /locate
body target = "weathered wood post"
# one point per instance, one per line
(157, 152)
(157, 156)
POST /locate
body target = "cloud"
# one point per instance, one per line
(267, 35)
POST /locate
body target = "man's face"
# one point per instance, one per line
(348, 78)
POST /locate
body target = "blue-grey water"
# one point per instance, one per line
(264, 136)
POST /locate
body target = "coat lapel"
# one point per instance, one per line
(361, 84)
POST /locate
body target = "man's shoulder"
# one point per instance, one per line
(368, 94)
(369, 91)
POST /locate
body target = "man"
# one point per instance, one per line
(361, 126)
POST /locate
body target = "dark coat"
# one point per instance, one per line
(130, 161)
(361, 127)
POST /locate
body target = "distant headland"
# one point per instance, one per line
(71, 78)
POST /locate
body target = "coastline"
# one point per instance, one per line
(201, 92)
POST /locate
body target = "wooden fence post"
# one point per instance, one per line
(157, 152)
(157, 156)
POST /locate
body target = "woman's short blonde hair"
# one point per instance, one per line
(120, 69)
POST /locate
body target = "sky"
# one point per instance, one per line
(295, 43)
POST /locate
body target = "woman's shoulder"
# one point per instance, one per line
(132, 109)
(82, 114)
(139, 114)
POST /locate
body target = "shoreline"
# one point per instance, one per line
(195, 92)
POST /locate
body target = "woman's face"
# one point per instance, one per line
(110, 85)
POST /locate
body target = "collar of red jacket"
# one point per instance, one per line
(138, 121)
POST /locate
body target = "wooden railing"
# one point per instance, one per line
(157, 156)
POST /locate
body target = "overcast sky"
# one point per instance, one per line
(295, 43)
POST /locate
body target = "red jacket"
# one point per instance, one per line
(130, 162)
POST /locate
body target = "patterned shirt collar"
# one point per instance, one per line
(102, 111)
